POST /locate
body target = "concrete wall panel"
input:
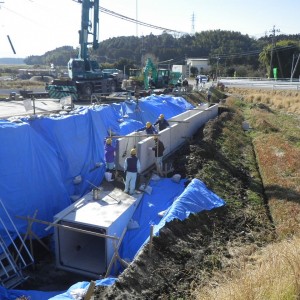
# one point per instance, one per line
(186, 126)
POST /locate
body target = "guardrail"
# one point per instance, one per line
(261, 83)
(261, 79)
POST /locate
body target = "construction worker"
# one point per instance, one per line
(150, 129)
(158, 152)
(109, 154)
(162, 122)
(132, 167)
(185, 85)
(209, 94)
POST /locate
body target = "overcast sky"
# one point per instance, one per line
(38, 26)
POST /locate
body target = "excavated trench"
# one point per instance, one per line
(187, 253)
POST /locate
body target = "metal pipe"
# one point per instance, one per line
(133, 136)
(69, 228)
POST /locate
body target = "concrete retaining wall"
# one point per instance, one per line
(182, 126)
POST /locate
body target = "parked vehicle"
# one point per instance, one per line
(202, 78)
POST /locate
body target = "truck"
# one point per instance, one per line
(85, 76)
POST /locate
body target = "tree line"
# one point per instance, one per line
(231, 52)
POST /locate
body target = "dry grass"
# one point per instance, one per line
(272, 274)
(286, 100)
(21, 84)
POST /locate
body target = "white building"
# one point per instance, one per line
(200, 63)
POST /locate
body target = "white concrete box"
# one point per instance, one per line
(78, 247)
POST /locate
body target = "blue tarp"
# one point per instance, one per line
(176, 200)
(30, 177)
(41, 157)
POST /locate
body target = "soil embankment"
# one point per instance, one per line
(187, 254)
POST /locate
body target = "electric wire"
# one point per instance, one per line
(252, 53)
(119, 16)
(123, 17)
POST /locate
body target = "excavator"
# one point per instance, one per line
(151, 77)
(85, 75)
(159, 78)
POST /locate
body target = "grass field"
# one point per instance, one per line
(274, 271)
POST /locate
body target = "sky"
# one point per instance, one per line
(37, 26)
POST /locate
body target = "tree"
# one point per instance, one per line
(282, 58)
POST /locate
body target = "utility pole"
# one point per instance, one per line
(136, 17)
(9, 40)
(273, 31)
(294, 68)
(193, 23)
(218, 58)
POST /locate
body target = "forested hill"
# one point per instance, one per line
(228, 48)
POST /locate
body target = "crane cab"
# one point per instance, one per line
(84, 69)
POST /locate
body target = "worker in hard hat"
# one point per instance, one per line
(149, 128)
(161, 122)
(158, 149)
(132, 167)
(185, 85)
(109, 155)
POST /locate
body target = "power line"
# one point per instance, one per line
(119, 16)
(252, 53)
(136, 21)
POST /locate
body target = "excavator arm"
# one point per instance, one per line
(149, 70)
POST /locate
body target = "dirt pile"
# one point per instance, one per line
(186, 254)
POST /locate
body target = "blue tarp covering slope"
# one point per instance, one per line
(40, 157)
(175, 199)
(29, 172)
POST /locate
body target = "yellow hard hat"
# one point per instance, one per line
(148, 124)
(161, 116)
(108, 141)
(133, 151)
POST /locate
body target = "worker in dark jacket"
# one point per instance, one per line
(158, 149)
(132, 167)
(150, 129)
(162, 122)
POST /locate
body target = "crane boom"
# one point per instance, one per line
(88, 27)
(86, 76)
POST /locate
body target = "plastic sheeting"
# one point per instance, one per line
(176, 200)
(30, 177)
(40, 157)
(173, 201)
